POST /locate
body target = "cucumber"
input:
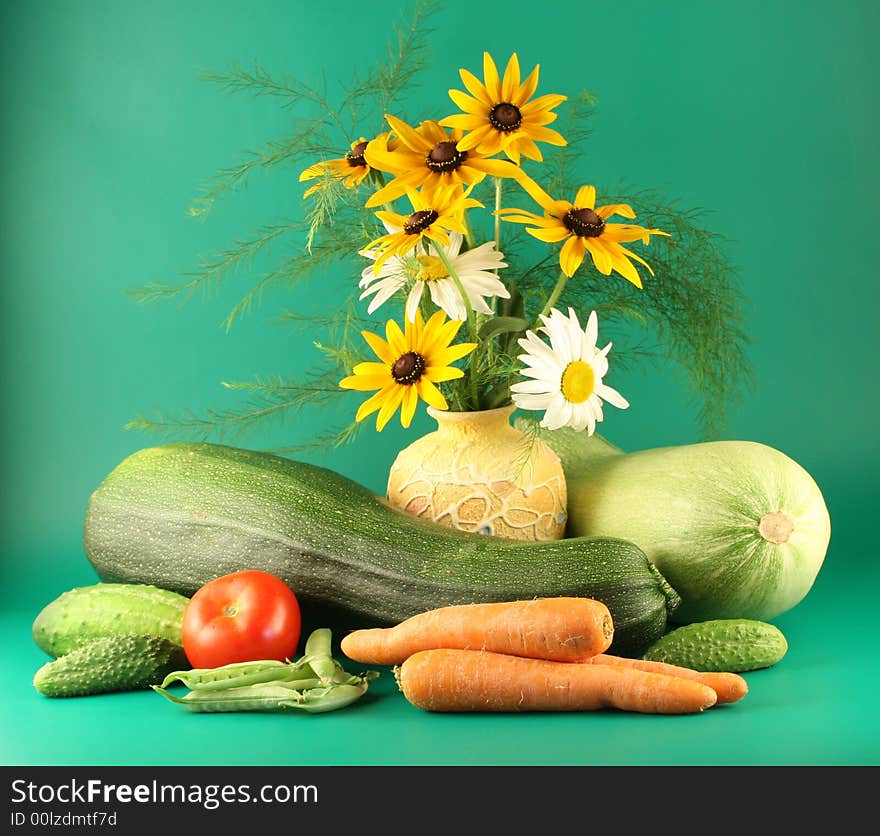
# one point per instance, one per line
(738, 528)
(81, 615)
(117, 663)
(736, 645)
(179, 515)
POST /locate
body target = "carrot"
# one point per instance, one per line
(561, 629)
(472, 680)
(729, 687)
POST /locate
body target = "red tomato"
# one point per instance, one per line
(241, 617)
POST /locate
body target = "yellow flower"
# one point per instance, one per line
(434, 214)
(351, 169)
(583, 228)
(411, 363)
(427, 157)
(500, 115)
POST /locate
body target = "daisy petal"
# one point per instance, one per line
(612, 396)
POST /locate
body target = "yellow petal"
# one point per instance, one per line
(390, 218)
(550, 235)
(615, 209)
(408, 135)
(624, 266)
(476, 88)
(601, 256)
(491, 78)
(548, 135)
(527, 88)
(396, 340)
(389, 407)
(571, 255)
(464, 122)
(438, 374)
(430, 394)
(630, 232)
(312, 171)
(477, 134)
(527, 148)
(371, 368)
(378, 156)
(455, 352)
(510, 85)
(398, 186)
(468, 103)
(547, 102)
(586, 197)
(365, 382)
(535, 191)
(369, 406)
(380, 348)
(410, 402)
(497, 168)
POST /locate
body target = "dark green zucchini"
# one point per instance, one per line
(179, 515)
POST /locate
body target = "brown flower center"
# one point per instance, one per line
(355, 157)
(505, 117)
(444, 156)
(419, 221)
(584, 222)
(408, 368)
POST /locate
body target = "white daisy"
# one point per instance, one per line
(566, 376)
(424, 268)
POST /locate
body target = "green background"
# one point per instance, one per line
(763, 112)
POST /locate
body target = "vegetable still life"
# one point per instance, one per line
(518, 560)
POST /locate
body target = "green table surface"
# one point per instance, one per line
(818, 706)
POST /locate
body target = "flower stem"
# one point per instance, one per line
(469, 231)
(472, 325)
(553, 298)
(498, 182)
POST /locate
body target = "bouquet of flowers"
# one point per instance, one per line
(422, 180)
(489, 257)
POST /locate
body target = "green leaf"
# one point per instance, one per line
(502, 325)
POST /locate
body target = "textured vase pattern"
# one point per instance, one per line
(478, 473)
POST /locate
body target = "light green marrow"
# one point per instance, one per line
(180, 515)
(738, 528)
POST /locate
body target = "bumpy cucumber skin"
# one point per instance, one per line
(737, 645)
(180, 515)
(81, 615)
(117, 663)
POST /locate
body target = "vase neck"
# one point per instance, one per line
(457, 423)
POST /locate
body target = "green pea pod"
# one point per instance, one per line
(320, 700)
(319, 643)
(265, 697)
(240, 674)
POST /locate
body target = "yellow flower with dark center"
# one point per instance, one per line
(350, 169)
(411, 364)
(582, 225)
(434, 214)
(427, 157)
(501, 115)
